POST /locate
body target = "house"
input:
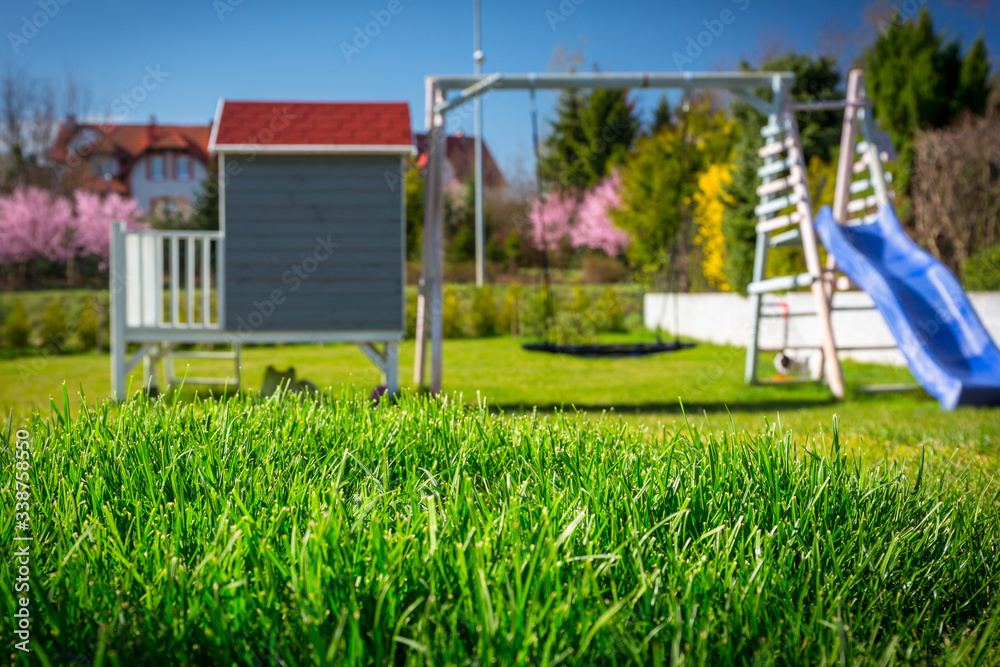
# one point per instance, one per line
(162, 167)
(460, 162)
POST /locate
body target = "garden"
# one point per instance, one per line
(543, 509)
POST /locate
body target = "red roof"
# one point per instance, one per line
(312, 124)
(131, 141)
(460, 150)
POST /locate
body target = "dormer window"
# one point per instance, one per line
(85, 141)
(182, 168)
(103, 165)
(156, 170)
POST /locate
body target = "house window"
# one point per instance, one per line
(182, 168)
(156, 171)
(101, 165)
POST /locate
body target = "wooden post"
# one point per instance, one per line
(845, 169)
(810, 249)
(391, 377)
(117, 302)
(429, 302)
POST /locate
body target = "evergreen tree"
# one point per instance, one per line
(918, 81)
(558, 163)
(591, 133)
(662, 116)
(205, 213)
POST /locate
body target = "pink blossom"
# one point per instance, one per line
(594, 228)
(35, 225)
(551, 219)
(94, 215)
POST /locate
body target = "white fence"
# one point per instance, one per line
(155, 302)
(727, 319)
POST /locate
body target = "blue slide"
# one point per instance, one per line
(945, 344)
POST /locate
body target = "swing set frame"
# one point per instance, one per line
(742, 85)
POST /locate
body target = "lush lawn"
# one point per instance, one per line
(579, 517)
(708, 380)
(332, 532)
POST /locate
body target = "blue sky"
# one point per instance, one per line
(201, 50)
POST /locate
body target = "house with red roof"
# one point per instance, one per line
(162, 167)
(460, 163)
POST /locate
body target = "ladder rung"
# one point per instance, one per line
(861, 165)
(780, 316)
(774, 224)
(775, 147)
(789, 347)
(858, 205)
(864, 348)
(209, 381)
(862, 147)
(777, 204)
(846, 309)
(781, 283)
(193, 354)
(860, 186)
(776, 167)
(785, 239)
(771, 130)
(864, 220)
(778, 185)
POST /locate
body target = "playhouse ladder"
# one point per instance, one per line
(785, 218)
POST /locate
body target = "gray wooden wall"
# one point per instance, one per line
(281, 215)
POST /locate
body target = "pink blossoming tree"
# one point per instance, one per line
(585, 223)
(594, 228)
(551, 219)
(94, 214)
(35, 225)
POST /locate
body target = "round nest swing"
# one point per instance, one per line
(612, 350)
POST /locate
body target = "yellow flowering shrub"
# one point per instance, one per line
(709, 204)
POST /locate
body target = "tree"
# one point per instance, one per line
(29, 111)
(659, 180)
(956, 189)
(918, 81)
(551, 218)
(594, 228)
(662, 116)
(34, 225)
(94, 215)
(414, 210)
(205, 212)
(592, 133)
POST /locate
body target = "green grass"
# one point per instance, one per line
(242, 531)
(646, 391)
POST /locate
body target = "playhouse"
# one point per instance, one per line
(310, 246)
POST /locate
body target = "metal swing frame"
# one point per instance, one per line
(437, 105)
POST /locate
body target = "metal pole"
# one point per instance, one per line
(477, 57)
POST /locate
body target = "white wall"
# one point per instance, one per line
(726, 319)
(144, 190)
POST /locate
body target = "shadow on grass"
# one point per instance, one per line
(692, 408)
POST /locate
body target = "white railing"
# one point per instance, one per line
(169, 277)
